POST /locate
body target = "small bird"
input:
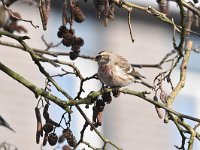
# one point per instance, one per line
(115, 71)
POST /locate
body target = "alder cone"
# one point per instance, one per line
(52, 139)
(78, 15)
(73, 55)
(48, 127)
(67, 133)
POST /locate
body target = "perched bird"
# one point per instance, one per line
(115, 71)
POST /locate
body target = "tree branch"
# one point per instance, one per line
(150, 10)
(37, 91)
(183, 71)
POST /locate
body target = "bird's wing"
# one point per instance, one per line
(126, 67)
(123, 64)
(136, 74)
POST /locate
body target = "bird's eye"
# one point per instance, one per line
(97, 57)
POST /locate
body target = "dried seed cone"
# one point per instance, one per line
(99, 118)
(52, 139)
(78, 15)
(62, 28)
(62, 31)
(48, 127)
(59, 34)
(66, 42)
(38, 132)
(67, 133)
(73, 55)
(45, 112)
(39, 125)
(75, 48)
(79, 41)
(37, 114)
(195, 1)
(116, 92)
(106, 97)
(66, 147)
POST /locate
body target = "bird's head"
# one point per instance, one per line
(104, 57)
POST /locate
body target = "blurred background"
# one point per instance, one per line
(128, 121)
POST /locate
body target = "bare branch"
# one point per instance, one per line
(183, 69)
(129, 25)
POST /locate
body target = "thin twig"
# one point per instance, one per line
(90, 146)
(180, 129)
(56, 54)
(51, 53)
(129, 25)
(150, 10)
(49, 45)
(37, 91)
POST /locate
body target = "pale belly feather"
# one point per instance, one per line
(114, 78)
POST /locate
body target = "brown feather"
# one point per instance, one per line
(136, 74)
